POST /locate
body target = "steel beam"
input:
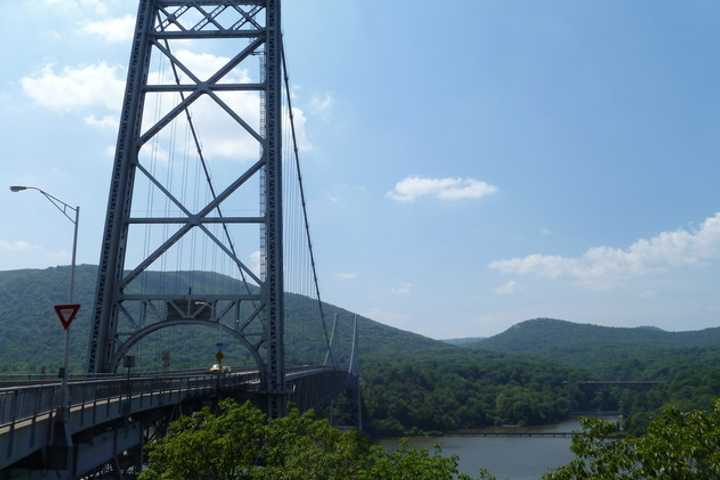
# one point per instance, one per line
(157, 22)
(273, 287)
(209, 34)
(218, 87)
(182, 220)
(112, 255)
(191, 3)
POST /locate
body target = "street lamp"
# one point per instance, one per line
(64, 208)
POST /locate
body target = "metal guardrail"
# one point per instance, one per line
(16, 379)
(27, 403)
(22, 403)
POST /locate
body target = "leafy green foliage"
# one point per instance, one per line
(239, 443)
(456, 389)
(676, 446)
(687, 363)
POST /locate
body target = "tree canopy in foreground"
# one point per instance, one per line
(677, 446)
(240, 443)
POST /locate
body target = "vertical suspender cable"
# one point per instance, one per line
(198, 148)
(302, 200)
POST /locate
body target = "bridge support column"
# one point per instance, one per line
(59, 455)
(273, 235)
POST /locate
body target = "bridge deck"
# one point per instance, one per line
(27, 411)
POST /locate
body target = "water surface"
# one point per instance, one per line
(508, 458)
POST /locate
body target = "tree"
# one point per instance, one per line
(677, 446)
(240, 443)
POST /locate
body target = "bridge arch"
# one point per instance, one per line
(125, 347)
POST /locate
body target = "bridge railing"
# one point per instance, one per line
(17, 379)
(33, 401)
(27, 403)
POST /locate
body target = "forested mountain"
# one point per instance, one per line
(410, 382)
(31, 336)
(543, 334)
(471, 387)
(686, 363)
(567, 341)
(459, 389)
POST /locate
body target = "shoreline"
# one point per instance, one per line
(489, 429)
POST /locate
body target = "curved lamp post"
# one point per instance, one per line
(66, 209)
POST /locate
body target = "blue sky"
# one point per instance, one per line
(468, 167)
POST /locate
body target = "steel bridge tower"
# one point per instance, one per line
(160, 22)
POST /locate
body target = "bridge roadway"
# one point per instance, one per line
(111, 415)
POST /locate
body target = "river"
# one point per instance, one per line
(508, 458)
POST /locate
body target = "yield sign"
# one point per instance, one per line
(66, 313)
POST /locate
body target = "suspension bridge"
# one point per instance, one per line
(206, 238)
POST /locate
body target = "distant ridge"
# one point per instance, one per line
(548, 336)
(463, 342)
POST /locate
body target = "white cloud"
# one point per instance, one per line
(204, 65)
(220, 135)
(304, 144)
(449, 188)
(346, 275)
(506, 288)
(23, 254)
(106, 121)
(75, 88)
(15, 246)
(98, 6)
(113, 30)
(404, 288)
(102, 86)
(321, 104)
(545, 232)
(253, 262)
(603, 266)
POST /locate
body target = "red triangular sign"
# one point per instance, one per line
(66, 313)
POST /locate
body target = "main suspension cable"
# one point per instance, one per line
(302, 201)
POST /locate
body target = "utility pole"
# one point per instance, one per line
(64, 208)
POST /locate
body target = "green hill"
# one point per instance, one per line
(31, 336)
(546, 334)
(570, 343)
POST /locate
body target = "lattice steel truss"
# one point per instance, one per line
(158, 22)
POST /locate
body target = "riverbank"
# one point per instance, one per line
(507, 457)
(510, 430)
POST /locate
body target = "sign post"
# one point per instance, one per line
(129, 363)
(66, 314)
